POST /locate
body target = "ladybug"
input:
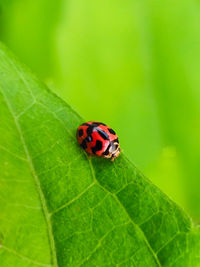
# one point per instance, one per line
(97, 139)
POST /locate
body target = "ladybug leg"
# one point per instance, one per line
(112, 159)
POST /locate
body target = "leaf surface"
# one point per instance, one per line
(59, 208)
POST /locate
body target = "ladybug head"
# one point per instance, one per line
(114, 151)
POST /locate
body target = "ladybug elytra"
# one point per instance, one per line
(98, 139)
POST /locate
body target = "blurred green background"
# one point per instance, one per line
(134, 65)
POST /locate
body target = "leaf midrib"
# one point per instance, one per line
(38, 186)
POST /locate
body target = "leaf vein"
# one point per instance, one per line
(24, 257)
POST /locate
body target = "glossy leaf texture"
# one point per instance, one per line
(59, 208)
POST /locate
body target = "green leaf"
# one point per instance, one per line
(59, 208)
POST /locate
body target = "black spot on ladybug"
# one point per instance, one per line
(90, 130)
(111, 131)
(103, 134)
(83, 144)
(97, 147)
(80, 132)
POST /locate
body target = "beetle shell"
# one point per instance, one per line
(98, 139)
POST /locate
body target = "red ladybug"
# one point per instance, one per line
(98, 139)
